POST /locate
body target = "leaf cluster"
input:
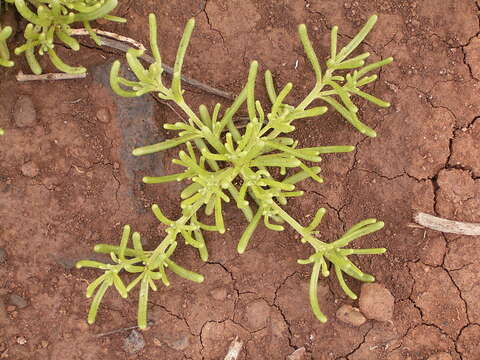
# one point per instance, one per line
(135, 261)
(50, 21)
(256, 168)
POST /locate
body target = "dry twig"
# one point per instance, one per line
(53, 76)
(447, 226)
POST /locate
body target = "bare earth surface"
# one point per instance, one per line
(68, 181)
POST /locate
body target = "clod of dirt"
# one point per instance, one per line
(298, 354)
(350, 315)
(440, 356)
(30, 169)
(3, 256)
(219, 294)
(24, 114)
(103, 115)
(376, 302)
(134, 342)
(17, 301)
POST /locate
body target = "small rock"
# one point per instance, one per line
(11, 308)
(3, 256)
(24, 113)
(157, 342)
(30, 169)
(116, 165)
(134, 342)
(21, 340)
(298, 354)
(440, 356)
(219, 294)
(17, 301)
(44, 344)
(376, 302)
(103, 115)
(350, 315)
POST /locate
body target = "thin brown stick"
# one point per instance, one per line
(447, 226)
(108, 34)
(122, 43)
(51, 77)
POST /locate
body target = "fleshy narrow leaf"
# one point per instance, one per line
(313, 295)
(143, 303)
(92, 314)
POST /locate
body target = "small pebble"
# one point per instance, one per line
(376, 302)
(157, 342)
(30, 169)
(17, 301)
(298, 354)
(11, 308)
(134, 342)
(350, 315)
(21, 340)
(44, 344)
(103, 115)
(24, 114)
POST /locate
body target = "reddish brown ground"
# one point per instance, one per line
(426, 158)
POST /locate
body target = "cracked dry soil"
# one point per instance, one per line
(81, 186)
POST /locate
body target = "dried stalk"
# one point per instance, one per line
(51, 77)
(447, 226)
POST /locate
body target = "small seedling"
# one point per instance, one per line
(223, 163)
(51, 20)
